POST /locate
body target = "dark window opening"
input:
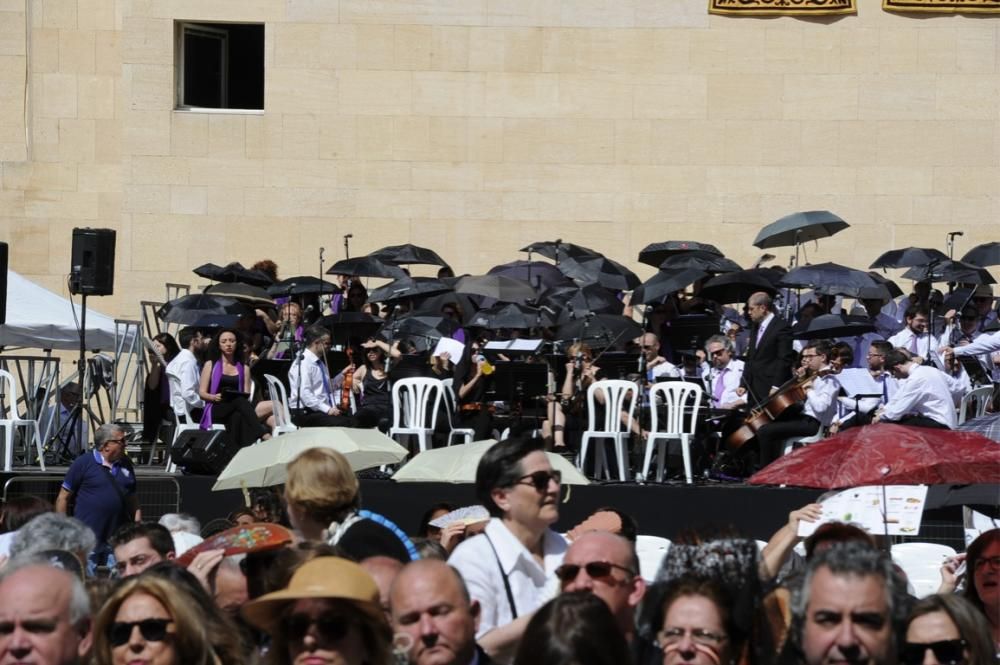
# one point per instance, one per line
(221, 65)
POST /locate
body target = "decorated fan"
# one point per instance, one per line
(255, 537)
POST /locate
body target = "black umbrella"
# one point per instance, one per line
(511, 315)
(346, 327)
(706, 261)
(538, 274)
(950, 271)
(599, 330)
(365, 266)
(302, 285)
(497, 287)
(662, 284)
(558, 250)
(233, 272)
(737, 287)
(832, 325)
(894, 290)
(657, 252)
(987, 254)
(408, 287)
(599, 270)
(422, 330)
(799, 227)
(575, 301)
(831, 278)
(406, 254)
(254, 296)
(201, 309)
(908, 257)
(433, 304)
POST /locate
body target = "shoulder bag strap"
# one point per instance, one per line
(506, 582)
(118, 491)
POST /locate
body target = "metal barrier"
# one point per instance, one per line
(158, 495)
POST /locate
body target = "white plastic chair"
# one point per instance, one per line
(415, 403)
(803, 440)
(279, 402)
(616, 392)
(922, 564)
(679, 425)
(451, 408)
(978, 399)
(650, 551)
(10, 420)
(184, 423)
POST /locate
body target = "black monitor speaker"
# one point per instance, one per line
(3, 282)
(203, 452)
(92, 269)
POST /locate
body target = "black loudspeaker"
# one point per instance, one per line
(204, 452)
(3, 282)
(92, 268)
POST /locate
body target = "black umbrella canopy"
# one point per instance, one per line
(538, 274)
(950, 271)
(497, 287)
(599, 330)
(987, 254)
(245, 293)
(656, 253)
(599, 270)
(557, 250)
(348, 327)
(706, 261)
(662, 284)
(366, 266)
(908, 257)
(202, 309)
(576, 301)
(833, 279)
(302, 285)
(832, 325)
(894, 290)
(422, 330)
(512, 316)
(407, 254)
(737, 287)
(233, 272)
(408, 287)
(798, 228)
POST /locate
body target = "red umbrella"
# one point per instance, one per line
(884, 454)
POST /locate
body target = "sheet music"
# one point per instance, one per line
(524, 345)
(453, 347)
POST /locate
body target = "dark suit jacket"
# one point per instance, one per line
(770, 363)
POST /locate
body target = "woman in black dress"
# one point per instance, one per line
(225, 382)
(371, 382)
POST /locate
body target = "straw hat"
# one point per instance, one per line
(326, 577)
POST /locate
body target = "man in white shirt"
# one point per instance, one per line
(510, 568)
(915, 337)
(875, 380)
(184, 373)
(656, 365)
(924, 398)
(724, 374)
(310, 395)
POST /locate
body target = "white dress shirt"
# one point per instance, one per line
(904, 340)
(312, 392)
(925, 392)
(184, 368)
(985, 343)
(531, 585)
(731, 375)
(856, 381)
(821, 399)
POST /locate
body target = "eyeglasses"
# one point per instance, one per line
(153, 630)
(595, 569)
(947, 652)
(717, 352)
(991, 561)
(669, 636)
(121, 440)
(540, 479)
(330, 627)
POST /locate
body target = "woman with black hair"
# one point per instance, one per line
(156, 405)
(574, 628)
(225, 387)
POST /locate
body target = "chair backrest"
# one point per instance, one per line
(279, 401)
(978, 399)
(175, 388)
(8, 396)
(450, 400)
(414, 400)
(678, 396)
(650, 551)
(616, 392)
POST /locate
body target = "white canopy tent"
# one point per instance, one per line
(40, 319)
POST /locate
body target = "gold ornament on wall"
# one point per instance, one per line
(782, 7)
(953, 6)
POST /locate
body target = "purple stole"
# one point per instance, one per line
(213, 387)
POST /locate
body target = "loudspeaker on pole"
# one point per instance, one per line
(92, 269)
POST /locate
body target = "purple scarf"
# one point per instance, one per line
(213, 387)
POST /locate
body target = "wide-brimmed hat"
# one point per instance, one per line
(326, 577)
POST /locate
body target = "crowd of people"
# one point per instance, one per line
(353, 588)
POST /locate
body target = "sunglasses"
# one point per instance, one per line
(540, 479)
(153, 630)
(947, 652)
(330, 627)
(595, 569)
(991, 561)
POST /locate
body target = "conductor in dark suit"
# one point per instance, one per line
(770, 356)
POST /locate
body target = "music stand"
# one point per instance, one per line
(408, 366)
(618, 365)
(690, 331)
(276, 368)
(518, 382)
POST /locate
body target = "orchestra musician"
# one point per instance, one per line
(770, 355)
(567, 407)
(310, 393)
(289, 331)
(724, 373)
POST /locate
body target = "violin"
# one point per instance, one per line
(348, 385)
(790, 394)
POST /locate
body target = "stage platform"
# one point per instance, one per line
(668, 509)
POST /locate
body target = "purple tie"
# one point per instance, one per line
(913, 344)
(719, 386)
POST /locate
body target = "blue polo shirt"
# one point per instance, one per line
(97, 503)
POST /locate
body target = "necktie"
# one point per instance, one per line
(857, 351)
(719, 387)
(913, 344)
(885, 390)
(760, 333)
(326, 382)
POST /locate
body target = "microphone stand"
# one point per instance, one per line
(347, 245)
(319, 297)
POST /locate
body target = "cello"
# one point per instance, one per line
(790, 394)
